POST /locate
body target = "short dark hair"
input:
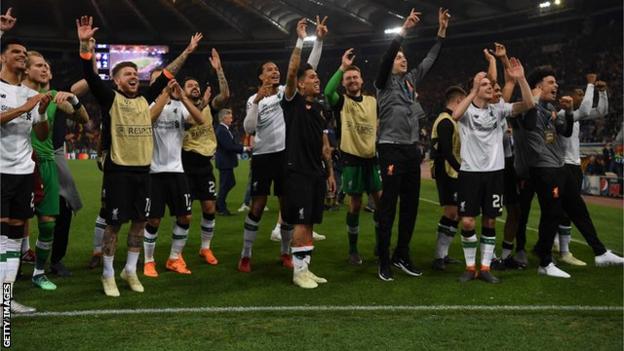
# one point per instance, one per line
(187, 78)
(301, 72)
(118, 67)
(10, 41)
(538, 74)
(260, 68)
(452, 92)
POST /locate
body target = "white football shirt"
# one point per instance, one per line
(481, 134)
(15, 144)
(270, 129)
(168, 133)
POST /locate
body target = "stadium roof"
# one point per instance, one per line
(252, 22)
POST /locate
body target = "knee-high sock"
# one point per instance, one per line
(447, 228)
(131, 262)
(565, 236)
(179, 237)
(250, 233)
(150, 234)
(98, 234)
(43, 246)
(3, 244)
(353, 231)
(107, 266)
(488, 243)
(12, 252)
(207, 229)
(286, 230)
(301, 258)
(469, 244)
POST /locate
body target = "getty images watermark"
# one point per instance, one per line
(6, 315)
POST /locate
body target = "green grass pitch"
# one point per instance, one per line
(269, 285)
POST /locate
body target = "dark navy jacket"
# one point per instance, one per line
(227, 148)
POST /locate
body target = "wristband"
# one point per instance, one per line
(299, 44)
(74, 100)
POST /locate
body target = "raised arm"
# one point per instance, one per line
(85, 31)
(224, 90)
(385, 68)
(175, 65)
(295, 60)
(331, 89)
(317, 49)
(491, 60)
(516, 72)
(603, 98)
(463, 105)
(7, 21)
(81, 88)
(419, 73)
(251, 118)
(500, 51)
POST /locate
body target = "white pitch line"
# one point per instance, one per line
(501, 220)
(329, 308)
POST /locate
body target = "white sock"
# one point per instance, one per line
(131, 262)
(565, 236)
(207, 232)
(249, 236)
(286, 230)
(179, 237)
(487, 251)
(149, 245)
(301, 258)
(3, 239)
(13, 255)
(98, 234)
(26, 243)
(107, 264)
(469, 244)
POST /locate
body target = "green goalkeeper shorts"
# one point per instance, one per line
(359, 179)
(49, 206)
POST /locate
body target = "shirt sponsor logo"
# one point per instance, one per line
(133, 131)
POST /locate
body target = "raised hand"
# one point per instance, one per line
(412, 20)
(499, 50)
(591, 78)
(443, 18)
(347, 59)
(264, 91)
(565, 102)
(195, 39)
(515, 70)
(488, 56)
(321, 27)
(301, 28)
(476, 82)
(601, 85)
(215, 60)
(174, 89)
(84, 28)
(7, 21)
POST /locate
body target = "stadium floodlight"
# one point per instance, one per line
(310, 38)
(557, 2)
(394, 30)
(545, 4)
